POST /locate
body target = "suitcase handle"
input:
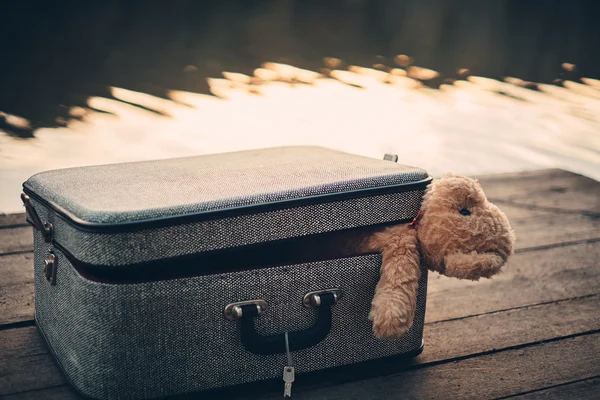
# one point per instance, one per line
(298, 340)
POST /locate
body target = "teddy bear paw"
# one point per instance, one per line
(389, 324)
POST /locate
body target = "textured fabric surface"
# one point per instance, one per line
(164, 338)
(165, 188)
(121, 249)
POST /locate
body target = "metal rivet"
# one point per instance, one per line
(234, 311)
(237, 312)
(313, 299)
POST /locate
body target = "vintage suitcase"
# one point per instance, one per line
(164, 277)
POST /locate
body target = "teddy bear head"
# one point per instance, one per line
(460, 233)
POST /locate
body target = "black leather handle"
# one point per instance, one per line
(297, 340)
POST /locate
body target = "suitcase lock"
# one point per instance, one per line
(50, 268)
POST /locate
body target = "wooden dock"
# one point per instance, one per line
(532, 332)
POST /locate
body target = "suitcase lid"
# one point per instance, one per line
(153, 194)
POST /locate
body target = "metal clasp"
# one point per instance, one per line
(313, 299)
(45, 228)
(50, 268)
(233, 311)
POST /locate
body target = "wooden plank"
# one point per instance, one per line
(545, 188)
(53, 393)
(543, 180)
(12, 220)
(22, 349)
(28, 373)
(587, 389)
(16, 239)
(16, 289)
(485, 377)
(462, 337)
(529, 278)
(527, 264)
(549, 228)
(16, 269)
(16, 304)
(499, 374)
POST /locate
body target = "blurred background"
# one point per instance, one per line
(471, 87)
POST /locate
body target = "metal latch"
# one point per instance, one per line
(391, 157)
(45, 228)
(50, 268)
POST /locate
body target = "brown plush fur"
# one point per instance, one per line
(393, 306)
(443, 240)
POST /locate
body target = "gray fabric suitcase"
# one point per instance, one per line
(165, 277)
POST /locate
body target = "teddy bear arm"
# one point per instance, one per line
(393, 309)
(394, 303)
(473, 265)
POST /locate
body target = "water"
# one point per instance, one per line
(145, 83)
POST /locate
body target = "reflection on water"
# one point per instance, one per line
(473, 126)
(470, 87)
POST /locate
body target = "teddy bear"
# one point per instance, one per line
(457, 233)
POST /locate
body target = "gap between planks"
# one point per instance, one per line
(8, 221)
(557, 210)
(580, 389)
(554, 245)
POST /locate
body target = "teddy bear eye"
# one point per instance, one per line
(465, 212)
